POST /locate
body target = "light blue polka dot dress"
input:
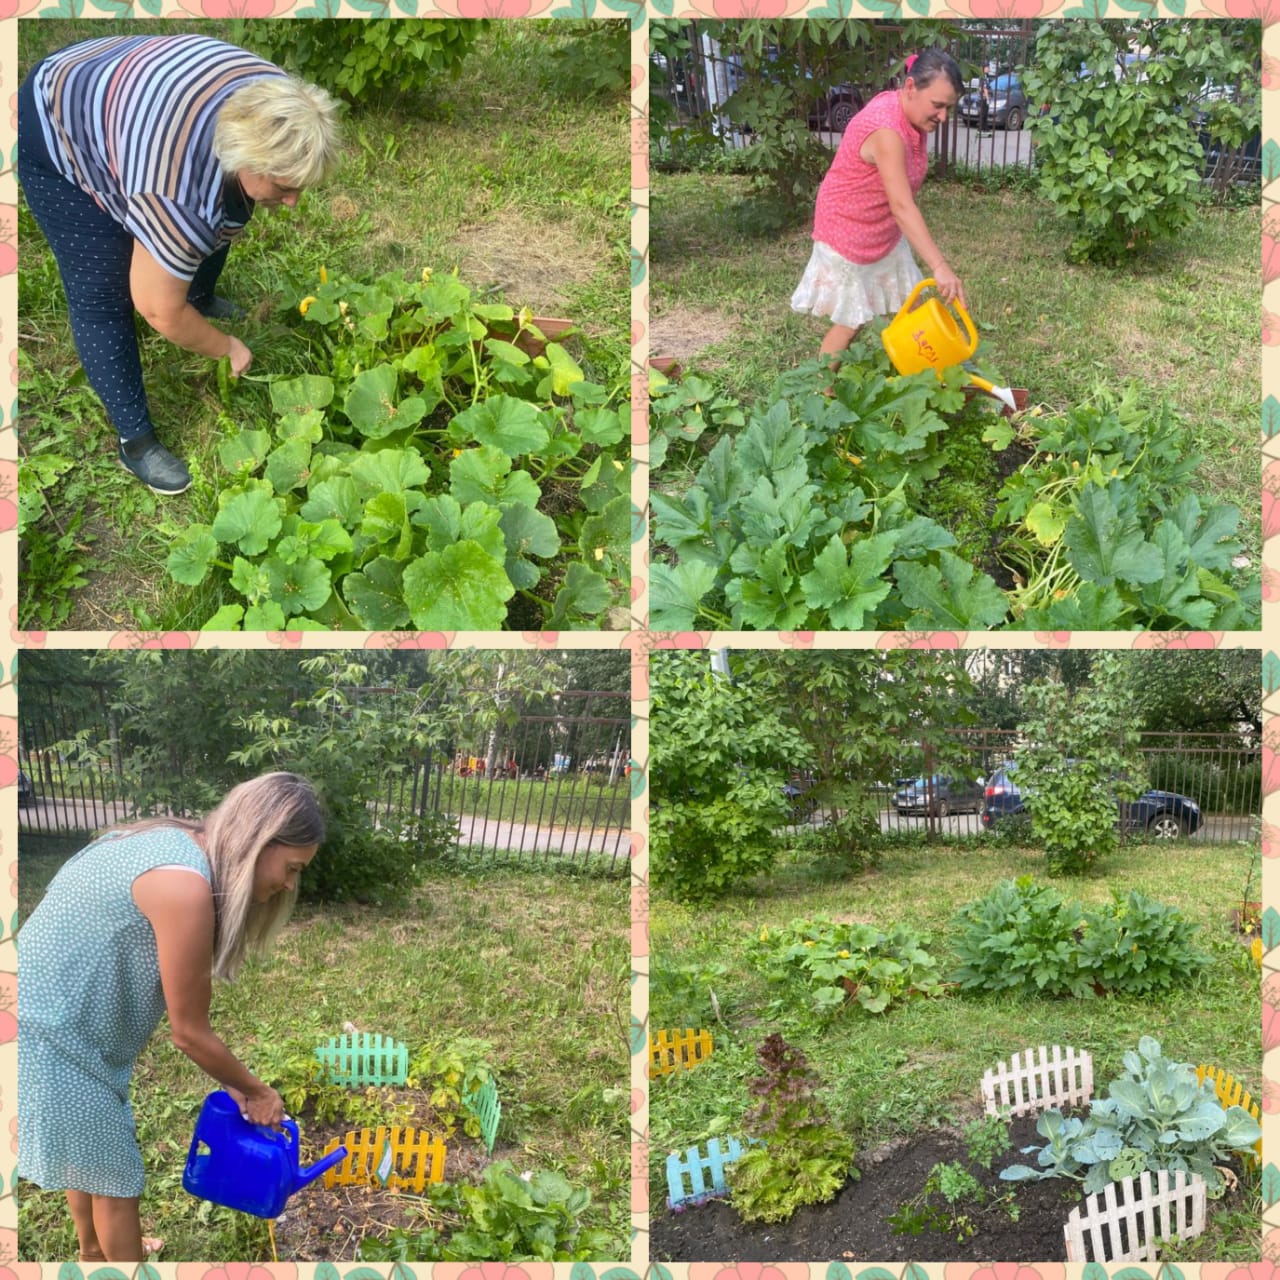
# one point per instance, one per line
(89, 997)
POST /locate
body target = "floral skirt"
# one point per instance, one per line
(851, 293)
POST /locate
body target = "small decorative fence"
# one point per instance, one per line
(1037, 1080)
(1231, 1093)
(407, 1159)
(676, 1050)
(364, 1059)
(695, 1175)
(1126, 1220)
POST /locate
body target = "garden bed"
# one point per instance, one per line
(855, 1227)
(323, 1224)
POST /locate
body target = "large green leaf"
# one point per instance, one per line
(676, 593)
(301, 395)
(446, 522)
(1105, 546)
(389, 471)
(243, 452)
(608, 532)
(289, 466)
(193, 551)
(514, 426)
(300, 587)
(376, 595)
(460, 588)
(765, 594)
(386, 519)
(607, 426)
(250, 519)
(528, 533)
(849, 582)
(1090, 608)
(373, 405)
(485, 475)
(564, 369)
(333, 499)
(583, 595)
(950, 594)
(307, 426)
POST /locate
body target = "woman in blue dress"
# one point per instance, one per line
(135, 925)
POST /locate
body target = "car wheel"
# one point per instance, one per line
(1166, 826)
(1013, 122)
(944, 809)
(841, 112)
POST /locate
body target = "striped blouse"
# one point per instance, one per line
(129, 119)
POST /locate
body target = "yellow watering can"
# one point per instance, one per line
(927, 337)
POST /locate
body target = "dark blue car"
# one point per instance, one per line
(1163, 815)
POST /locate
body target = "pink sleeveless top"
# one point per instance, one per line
(852, 214)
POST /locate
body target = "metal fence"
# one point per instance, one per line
(552, 787)
(697, 80)
(1220, 772)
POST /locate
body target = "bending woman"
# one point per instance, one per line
(142, 158)
(866, 222)
(137, 923)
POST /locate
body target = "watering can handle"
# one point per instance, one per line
(956, 304)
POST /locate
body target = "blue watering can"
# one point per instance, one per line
(247, 1166)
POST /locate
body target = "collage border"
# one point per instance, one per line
(637, 640)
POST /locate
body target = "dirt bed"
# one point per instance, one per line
(854, 1226)
(323, 1224)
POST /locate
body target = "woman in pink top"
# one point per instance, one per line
(866, 222)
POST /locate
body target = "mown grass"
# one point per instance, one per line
(1183, 321)
(919, 1064)
(538, 965)
(503, 173)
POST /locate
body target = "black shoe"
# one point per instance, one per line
(155, 466)
(216, 308)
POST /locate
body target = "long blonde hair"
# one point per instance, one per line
(275, 808)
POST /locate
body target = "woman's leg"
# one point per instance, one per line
(81, 1206)
(118, 1227)
(94, 254)
(838, 338)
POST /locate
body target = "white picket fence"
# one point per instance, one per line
(1039, 1079)
(1118, 1224)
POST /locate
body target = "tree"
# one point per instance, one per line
(856, 710)
(719, 753)
(1079, 758)
(1118, 151)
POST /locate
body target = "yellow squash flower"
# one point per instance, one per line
(304, 305)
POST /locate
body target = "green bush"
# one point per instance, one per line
(1156, 1116)
(839, 962)
(1080, 757)
(1118, 152)
(378, 56)
(1027, 938)
(595, 60)
(719, 756)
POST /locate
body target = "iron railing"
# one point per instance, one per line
(549, 787)
(1220, 772)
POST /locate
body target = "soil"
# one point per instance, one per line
(854, 1226)
(682, 332)
(326, 1225)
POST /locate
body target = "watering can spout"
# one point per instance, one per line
(313, 1171)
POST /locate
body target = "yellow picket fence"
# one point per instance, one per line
(1231, 1093)
(416, 1159)
(675, 1050)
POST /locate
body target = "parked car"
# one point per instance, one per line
(833, 112)
(940, 795)
(1006, 106)
(26, 792)
(1163, 815)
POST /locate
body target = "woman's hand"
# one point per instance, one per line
(241, 356)
(948, 283)
(261, 1106)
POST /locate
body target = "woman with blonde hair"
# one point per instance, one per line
(138, 923)
(142, 158)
